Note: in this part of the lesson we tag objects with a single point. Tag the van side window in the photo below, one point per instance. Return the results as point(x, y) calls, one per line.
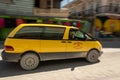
point(47, 33)
point(53, 33)
point(29, 33)
point(76, 35)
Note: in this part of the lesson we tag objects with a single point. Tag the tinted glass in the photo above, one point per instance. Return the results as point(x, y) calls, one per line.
point(29, 32)
point(88, 37)
point(76, 35)
point(47, 33)
point(53, 33)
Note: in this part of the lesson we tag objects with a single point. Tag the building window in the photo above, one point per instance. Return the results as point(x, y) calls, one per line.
point(48, 4)
point(97, 6)
point(114, 7)
point(37, 3)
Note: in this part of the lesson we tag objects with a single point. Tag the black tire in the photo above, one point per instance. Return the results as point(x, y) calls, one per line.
point(92, 56)
point(29, 61)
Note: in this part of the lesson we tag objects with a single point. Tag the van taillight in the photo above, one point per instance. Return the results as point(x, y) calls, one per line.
point(9, 48)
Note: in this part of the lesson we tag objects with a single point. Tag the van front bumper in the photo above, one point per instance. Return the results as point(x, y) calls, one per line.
point(10, 57)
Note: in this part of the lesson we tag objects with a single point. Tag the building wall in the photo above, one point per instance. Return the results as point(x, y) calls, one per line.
point(18, 7)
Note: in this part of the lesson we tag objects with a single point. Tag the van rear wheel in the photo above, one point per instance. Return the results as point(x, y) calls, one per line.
point(29, 61)
point(92, 56)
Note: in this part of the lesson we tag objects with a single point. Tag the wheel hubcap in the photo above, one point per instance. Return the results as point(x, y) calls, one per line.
point(93, 57)
point(30, 62)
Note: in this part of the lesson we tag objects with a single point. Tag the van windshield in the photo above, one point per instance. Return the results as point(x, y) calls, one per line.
point(79, 35)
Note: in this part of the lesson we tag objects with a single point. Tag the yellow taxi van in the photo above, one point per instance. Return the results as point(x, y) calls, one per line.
point(29, 44)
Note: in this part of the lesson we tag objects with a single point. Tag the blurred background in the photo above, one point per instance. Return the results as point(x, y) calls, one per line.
point(101, 18)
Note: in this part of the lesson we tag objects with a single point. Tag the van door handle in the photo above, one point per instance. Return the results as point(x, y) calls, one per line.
point(63, 41)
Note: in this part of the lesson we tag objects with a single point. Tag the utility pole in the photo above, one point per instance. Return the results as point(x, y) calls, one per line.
point(94, 18)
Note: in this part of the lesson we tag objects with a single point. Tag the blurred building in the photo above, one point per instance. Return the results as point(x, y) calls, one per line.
point(15, 12)
point(85, 8)
point(106, 12)
point(16, 7)
point(49, 8)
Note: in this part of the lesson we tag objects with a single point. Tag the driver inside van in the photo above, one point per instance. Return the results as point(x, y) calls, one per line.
point(76, 35)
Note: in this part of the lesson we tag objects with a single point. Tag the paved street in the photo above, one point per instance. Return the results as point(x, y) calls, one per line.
point(108, 68)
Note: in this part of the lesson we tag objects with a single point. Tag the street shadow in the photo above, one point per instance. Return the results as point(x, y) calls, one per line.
point(13, 69)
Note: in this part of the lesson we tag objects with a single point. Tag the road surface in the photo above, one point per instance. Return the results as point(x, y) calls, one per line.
point(108, 68)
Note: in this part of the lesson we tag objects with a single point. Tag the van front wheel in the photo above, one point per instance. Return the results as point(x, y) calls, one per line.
point(92, 56)
point(29, 61)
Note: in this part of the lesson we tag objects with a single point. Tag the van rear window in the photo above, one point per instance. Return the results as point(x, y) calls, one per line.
point(28, 32)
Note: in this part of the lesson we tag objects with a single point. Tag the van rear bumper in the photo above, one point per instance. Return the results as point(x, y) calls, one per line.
point(10, 57)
